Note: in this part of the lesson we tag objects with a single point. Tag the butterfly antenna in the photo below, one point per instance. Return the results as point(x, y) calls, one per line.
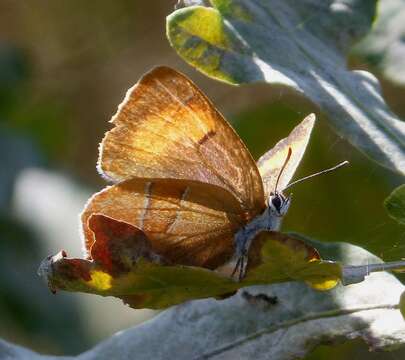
point(283, 167)
point(318, 173)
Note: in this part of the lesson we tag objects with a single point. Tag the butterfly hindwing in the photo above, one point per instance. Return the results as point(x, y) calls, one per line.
point(167, 128)
point(186, 222)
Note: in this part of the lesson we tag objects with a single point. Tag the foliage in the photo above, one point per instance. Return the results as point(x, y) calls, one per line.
point(395, 204)
point(384, 46)
point(143, 282)
point(301, 46)
point(280, 321)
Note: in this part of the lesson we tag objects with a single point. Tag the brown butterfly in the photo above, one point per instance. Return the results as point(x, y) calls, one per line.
point(184, 177)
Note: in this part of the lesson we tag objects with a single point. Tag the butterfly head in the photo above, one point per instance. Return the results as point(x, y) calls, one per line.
point(279, 203)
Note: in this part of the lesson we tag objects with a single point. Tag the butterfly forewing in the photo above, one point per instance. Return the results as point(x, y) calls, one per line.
point(271, 162)
point(187, 222)
point(166, 128)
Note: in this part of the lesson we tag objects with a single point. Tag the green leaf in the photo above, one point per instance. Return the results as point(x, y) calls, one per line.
point(301, 45)
point(123, 263)
point(384, 46)
point(147, 284)
point(278, 322)
point(395, 204)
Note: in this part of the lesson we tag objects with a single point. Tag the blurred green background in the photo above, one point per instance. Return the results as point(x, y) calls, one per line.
point(64, 68)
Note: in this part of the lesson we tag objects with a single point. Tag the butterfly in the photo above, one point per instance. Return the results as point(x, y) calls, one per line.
point(184, 177)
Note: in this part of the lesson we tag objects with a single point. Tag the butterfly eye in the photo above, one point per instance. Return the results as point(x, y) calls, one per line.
point(276, 201)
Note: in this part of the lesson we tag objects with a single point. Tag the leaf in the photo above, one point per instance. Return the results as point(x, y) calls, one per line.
point(395, 204)
point(278, 322)
point(384, 46)
point(18, 352)
point(402, 304)
point(281, 259)
point(300, 45)
point(124, 265)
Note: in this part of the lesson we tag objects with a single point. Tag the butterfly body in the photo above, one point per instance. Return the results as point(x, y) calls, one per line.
point(269, 220)
point(184, 177)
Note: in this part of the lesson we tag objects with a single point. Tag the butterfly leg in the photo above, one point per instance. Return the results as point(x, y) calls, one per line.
point(242, 244)
point(240, 267)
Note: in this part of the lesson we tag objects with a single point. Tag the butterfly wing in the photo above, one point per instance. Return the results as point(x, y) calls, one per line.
point(186, 222)
point(272, 161)
point(167, 128)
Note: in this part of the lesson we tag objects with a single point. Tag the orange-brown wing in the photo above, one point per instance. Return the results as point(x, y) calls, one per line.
point(186, 222)
point(166, 128)
point(272, 161)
